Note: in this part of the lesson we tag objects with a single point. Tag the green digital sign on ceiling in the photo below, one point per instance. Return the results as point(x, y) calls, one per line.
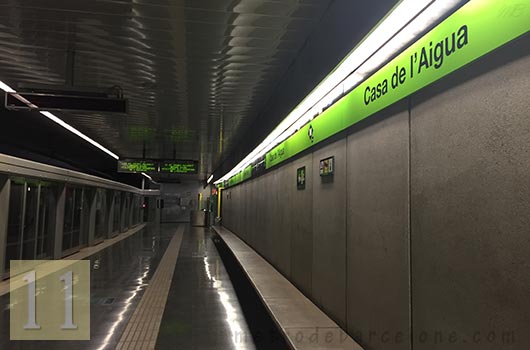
point(137, 166)
point(179, 167)
point(182, 167)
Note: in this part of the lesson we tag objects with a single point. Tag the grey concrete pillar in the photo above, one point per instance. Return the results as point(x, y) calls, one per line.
point(153, 211)
point(110, 213)
point(5, 189)
point(151, 208)
point(158, 212)
point(131, 210)
point(91, 200)
point(59, 222)
point(123, 211)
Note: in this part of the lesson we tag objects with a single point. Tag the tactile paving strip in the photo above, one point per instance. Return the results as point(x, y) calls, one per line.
point(142, 330)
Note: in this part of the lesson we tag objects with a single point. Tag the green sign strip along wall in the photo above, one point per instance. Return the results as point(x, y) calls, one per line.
point(241, 176)
point(236, 179)
point(247, 173)
point(474, 30)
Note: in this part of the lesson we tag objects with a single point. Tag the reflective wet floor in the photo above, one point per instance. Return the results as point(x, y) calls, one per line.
point(202, 310)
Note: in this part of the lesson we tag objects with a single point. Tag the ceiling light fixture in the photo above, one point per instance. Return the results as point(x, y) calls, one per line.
point(73, 130)
point(147, 176)
point(59, 121)
point(398, 29)
point(6, 87)
point(209, 179)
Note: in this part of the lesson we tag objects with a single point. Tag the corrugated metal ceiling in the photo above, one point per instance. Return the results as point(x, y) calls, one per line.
point(196, 72)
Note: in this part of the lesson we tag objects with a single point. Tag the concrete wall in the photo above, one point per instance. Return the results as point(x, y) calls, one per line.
point(420, 241)
point(470, 204)
point(329, 233)
point(180, 199)
point(378, 229)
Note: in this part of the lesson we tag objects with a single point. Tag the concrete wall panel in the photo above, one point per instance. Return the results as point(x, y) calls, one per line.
point(470, 208)
point(266, 237)
point(251, 207)
point(239, 205)
point(245, 212)
point(302, 226)
point(260, 214)
point(378, 230)
point(233, 208)
point(329, 233)
point(281, 219)
point(228, 209)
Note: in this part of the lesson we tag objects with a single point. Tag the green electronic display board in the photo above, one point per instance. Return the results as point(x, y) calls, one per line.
point(179, 167)
point(137, 166)
point(182, 167)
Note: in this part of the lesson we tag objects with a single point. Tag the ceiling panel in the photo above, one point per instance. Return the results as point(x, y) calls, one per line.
point(196, 72)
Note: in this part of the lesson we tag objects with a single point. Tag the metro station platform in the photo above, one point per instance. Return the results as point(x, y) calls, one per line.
point(163, 287)
point(175, 286)
point(264, 175)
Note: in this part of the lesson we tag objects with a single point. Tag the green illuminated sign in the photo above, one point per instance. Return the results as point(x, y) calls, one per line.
point(476, 29)
point(155, 166)
point(247, 173)
point(137, 166)
point(179, 167)
point(140, 133)
point(300, 178)
point(236, 179)
point(182, 135)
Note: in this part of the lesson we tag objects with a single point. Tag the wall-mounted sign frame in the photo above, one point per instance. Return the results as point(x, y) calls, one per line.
point(327, 166)
point(300, 178)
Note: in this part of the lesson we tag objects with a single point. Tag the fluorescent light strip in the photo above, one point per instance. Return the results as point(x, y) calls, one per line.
point(403, 13)
point(78, 133)
point(209, 179)
point(150, 178)
point(426, 19)
point(57, 120)
point(147, 176)
point(6, 87)
point(399, 28)
point(26, 102)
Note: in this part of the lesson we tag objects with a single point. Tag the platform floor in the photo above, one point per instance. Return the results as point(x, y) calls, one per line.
point(201, 310)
